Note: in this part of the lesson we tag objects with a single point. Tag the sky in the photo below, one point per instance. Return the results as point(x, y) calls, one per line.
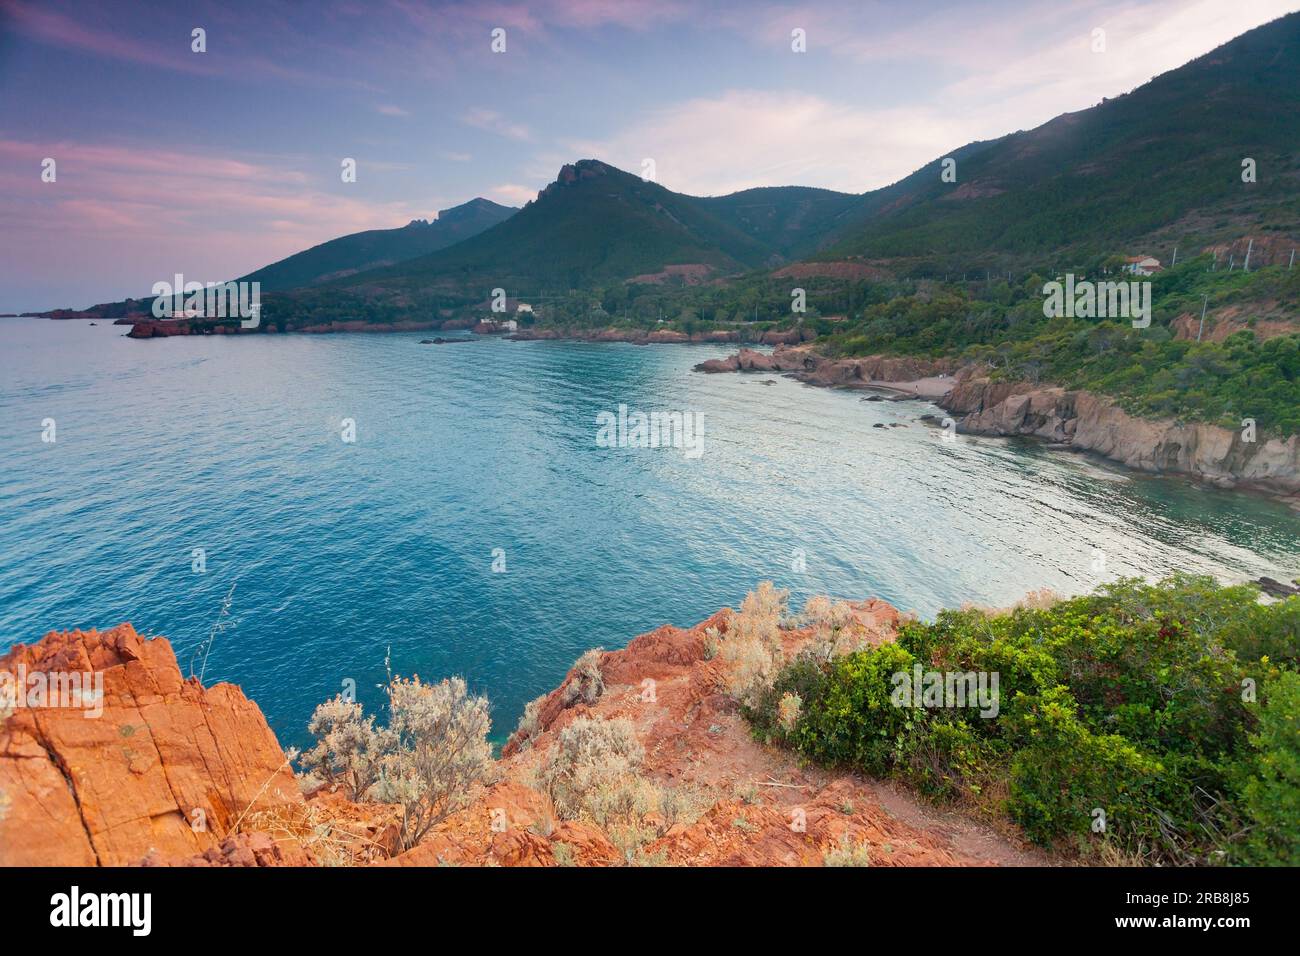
point(211, 164)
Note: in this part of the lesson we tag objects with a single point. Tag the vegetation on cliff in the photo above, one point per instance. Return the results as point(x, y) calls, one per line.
point(1155, 722)
point(1151, 371)
point(425, 760)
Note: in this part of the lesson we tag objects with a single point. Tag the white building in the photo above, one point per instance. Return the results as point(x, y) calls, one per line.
point(1142, 265)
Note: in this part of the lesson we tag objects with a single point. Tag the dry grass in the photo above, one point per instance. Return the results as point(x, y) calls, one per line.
point(752, 649)
point(848, 853)
point(309, 825)
point(593, 773)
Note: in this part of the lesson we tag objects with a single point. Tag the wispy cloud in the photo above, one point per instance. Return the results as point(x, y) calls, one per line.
point(493, 122)
point(512, 194)
point(388, 109)
point(747, 138)
point(70, 32)
point(116, 212)
point(1001, 76)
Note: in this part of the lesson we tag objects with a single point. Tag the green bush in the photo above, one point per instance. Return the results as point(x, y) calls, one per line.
point(853, 721)
point(1065, 776)
point(1131, 700)
point(1270, 786)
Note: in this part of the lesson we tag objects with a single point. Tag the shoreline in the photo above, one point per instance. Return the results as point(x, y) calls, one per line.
point(1064, 420)
point(146, 327)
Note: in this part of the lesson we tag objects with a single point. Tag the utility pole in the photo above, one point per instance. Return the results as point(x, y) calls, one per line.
point(1249, 245)
point(1202, 328)
point(1175, 261)
point(1288, 268)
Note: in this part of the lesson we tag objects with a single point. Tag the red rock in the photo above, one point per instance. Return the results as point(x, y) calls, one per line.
point(107, 790)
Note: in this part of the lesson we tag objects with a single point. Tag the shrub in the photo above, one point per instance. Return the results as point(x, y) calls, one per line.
point(432, 752)
point(594, 773)
point(848, 854)
point(1066, 773)
point(1271, 785)
point(563, 854)
point(803, 678)
point(593, 769)
point(1128, 700)
point(588, 682)
point(787, 711)
point(752, 649)
point(853, 720)
point(530, 724)
point(348, 750)
point(836, 628)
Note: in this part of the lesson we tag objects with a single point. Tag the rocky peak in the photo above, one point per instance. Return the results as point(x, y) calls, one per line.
point(573, 173)
point(468, 210)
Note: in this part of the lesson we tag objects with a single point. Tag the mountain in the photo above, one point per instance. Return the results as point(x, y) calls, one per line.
point(791, 221)
point(595, 223)
point(1159, 166)
point(380, 247)
point(344, 256)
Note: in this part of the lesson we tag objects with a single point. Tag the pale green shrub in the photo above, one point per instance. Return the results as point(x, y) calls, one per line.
point(752, 650)
point(426, 760)
point(563, 854)
point(787, 711)
point(848, 853)
point(588, 682)
point(590, 759)
point(530, 724)
point(349, 748)
point(440, 750)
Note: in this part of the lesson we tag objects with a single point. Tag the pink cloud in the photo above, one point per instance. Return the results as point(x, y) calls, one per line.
point(65, 31)
point(118, 218)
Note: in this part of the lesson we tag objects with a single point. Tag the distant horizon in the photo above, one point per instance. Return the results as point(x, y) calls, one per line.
point(434, 118)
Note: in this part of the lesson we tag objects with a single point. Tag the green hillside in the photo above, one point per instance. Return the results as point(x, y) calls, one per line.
point(348, 255)
point(595, 223)
point(1157, 167)
point(791, 221)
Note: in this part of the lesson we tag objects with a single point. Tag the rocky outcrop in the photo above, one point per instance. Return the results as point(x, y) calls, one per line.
point(634, 336)
point(573, 173)
point(166, 328)
point(242, 849)
point(1081, 420)
point(166, 770)
point(1090, 422)
point(810, 366)
point(122, 788)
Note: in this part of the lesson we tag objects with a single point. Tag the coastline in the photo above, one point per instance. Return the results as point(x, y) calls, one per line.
point(1064, 419)
point(145, 328)
point(1068, 420)
point(211, 750)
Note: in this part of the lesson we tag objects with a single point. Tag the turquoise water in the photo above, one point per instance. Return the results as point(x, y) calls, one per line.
point(341, 554)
